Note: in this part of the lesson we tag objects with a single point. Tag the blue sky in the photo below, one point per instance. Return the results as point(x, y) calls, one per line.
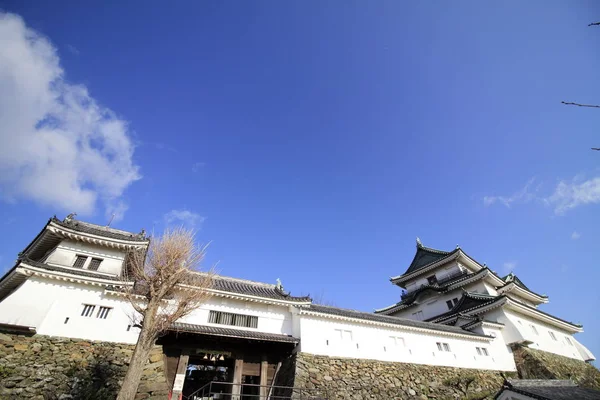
point(313, 141)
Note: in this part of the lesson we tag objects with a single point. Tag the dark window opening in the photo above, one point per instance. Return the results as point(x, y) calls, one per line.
point(66, 320)
point(224, 318)
point(449, 304)
point(432, 280)
point(88, 310)
point(94, 264)
point(79, 261)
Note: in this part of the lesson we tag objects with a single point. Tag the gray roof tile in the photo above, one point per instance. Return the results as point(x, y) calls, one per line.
point(232, 332)
point(98, 230)
point(551, 389)
point(387, 319)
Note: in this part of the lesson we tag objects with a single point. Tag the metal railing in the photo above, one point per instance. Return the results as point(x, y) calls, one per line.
point(215, 390)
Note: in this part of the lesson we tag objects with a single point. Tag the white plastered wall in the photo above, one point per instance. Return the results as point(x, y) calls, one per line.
point(321, 335)
point(46, 304)
point(66, 252)
point(518, 327)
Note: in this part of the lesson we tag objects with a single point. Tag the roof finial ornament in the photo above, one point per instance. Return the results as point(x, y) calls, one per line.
point(419, 244)
point(458, 246)
point(142, 234)
point(70, 218)
point(278, 285)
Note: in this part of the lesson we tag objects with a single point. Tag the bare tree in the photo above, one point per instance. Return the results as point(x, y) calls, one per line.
point(162, 286)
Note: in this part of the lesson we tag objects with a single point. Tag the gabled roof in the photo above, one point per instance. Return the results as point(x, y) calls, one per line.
point(99, 230)
point(467, 303)
point(426, 256)
point(342, 312)
point(512, 278)
point(440, 287)
point(549, 389)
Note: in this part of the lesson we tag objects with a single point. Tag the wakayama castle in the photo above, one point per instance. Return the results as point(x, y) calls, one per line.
point(451, 311)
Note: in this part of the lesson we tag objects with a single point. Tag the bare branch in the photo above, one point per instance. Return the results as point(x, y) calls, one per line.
point(579, 105)
point(166, 287)
point(594, 23)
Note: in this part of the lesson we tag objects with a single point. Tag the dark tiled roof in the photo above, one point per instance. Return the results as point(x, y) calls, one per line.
point(550, 389)
point(232, 332)
point(469, 301)
point(510, 278)
point(440, 287)
point(81, 272)
point(252, 288)
point(426, 256)
point(221, 283)
point(93, 229)
point(386, 319)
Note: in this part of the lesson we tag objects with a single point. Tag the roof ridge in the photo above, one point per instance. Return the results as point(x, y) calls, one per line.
point(239, 280)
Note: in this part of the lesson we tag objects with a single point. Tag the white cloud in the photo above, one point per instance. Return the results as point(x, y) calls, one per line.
point(197, 166)
point(522, 196)
point(566, 195)
point(60, 148)
point(577, 192)
point(509, 266)
point(575, 235)
point(183, 217)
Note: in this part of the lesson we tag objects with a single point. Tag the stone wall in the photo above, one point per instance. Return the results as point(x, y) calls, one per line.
point(346, 378)
point(48, 368)
point(536, 364)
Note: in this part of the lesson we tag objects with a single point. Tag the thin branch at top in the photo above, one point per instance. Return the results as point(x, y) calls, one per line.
point(580, 105)
point(594, 23)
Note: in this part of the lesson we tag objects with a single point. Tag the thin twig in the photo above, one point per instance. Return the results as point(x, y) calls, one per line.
point(594, 23)
point(580, 105)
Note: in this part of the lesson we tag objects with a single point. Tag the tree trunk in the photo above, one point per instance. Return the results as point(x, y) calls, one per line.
point(139, 357)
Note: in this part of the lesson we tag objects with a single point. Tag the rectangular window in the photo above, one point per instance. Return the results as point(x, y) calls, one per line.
point(418, 315)
point(534, 330)
point(449, 304)
point(79, 261)
point(568, 341)
point(396, 341)
point(432, 280)
point(224, 318)
point(103, 312)
point(443, 346)
point(478, 350)
point(484, 351)
point(94, 264)
point(552, 335)
point(455, 301)
point(88, 310)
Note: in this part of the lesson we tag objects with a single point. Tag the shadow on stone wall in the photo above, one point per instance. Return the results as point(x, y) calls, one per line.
point(54, 368)
point(537, 364)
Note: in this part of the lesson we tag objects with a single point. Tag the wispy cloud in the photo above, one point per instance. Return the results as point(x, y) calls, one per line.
point(198, 166)
point(566, 196)
point(73, 49)
point(509, 267)
point(524, 195)
point(59, 146)
point(575, 235)
point(575, 193)
point(184, 217)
